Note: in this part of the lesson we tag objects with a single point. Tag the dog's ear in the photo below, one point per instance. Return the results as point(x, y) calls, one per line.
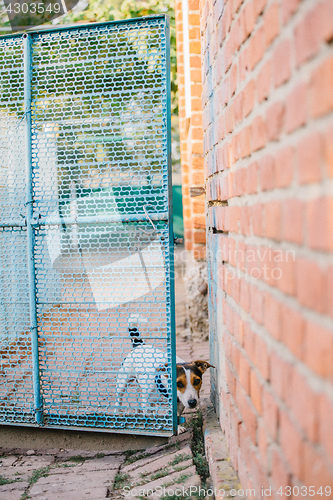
point(203, 365)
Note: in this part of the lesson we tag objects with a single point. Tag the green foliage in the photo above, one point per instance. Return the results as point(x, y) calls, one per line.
point(180, 458)
point(38, 473)
point(115, 10)
point(198, 447)
point(120, 480)
point(5, 480)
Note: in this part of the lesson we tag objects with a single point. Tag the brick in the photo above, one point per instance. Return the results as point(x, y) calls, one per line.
point(244, 374)
point(318, 350)
point(195, 47)
point(272, 316)
point(309, 157)
point(259, 6)
point(256, 392)
point(289, 7)
point(325, 427)
point(284, 271)
point(280, 472)
point(270, 414)
point(321, 89)
point(311, 285)
point(238, 329)
point(292, 221)
point(273, 220)
point(257, 219)
point(258, 133)
point(245, 142)
point(315, 472)
point(330, 291)
point(257, 301)
point(282, 63)
point(267, 173)
point(271, 23)
point(241, 250)
point(262, 358)
point(256, 47)
point(307, 36)
point(328, 149)
point(319, 221)
point(325, 24)
point(248, 98)
point(304, 405)
point(251, 178)
point(262, 442)
point(248, 414)
point(245, 295)
point(280, 376)
point(296, 108)
point(245, 221)
point(251, 262)
point(284, 161)
point(274, 121)
point(264, 81)
point(265, 263)
point(249, 18)
point(291, 443)
point(236, 5)
point(199, 237)
point(248, 342)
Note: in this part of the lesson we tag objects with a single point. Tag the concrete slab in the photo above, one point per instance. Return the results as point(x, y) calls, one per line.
point(28, 438)
point(13, 491)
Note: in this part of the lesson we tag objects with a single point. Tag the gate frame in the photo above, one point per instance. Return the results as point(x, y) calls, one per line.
point(31, 225)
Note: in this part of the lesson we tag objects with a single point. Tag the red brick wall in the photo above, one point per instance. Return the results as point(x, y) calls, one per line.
point(268, 146)
point(191, 133)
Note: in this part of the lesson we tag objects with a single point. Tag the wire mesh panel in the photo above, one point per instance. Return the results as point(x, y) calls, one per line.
point(16, 385)
point(102, 237)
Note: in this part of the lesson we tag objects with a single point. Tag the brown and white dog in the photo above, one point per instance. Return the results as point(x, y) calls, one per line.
point(147, 365)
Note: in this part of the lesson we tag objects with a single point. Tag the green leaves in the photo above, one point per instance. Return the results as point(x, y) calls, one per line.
point(114, 10)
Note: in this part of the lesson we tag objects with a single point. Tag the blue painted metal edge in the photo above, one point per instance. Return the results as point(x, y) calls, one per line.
point(171, 236)
point(68, 27)
point(30, 231)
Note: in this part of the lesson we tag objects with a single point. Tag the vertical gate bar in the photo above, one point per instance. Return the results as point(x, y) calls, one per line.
point(30, 231)
point(171, 236)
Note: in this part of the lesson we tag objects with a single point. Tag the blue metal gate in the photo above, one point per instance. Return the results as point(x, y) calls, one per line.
point(87, 333)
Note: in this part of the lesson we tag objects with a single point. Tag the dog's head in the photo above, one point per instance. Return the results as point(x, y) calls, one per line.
point(189, 381)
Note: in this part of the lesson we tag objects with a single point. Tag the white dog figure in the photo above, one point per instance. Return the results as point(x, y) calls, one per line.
point(147, 365)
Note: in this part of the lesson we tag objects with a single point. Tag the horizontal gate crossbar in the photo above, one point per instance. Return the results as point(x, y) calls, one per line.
point(103, 24)
point(57, 221)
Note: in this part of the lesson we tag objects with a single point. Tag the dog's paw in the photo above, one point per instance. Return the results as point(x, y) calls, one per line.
point(181, 429)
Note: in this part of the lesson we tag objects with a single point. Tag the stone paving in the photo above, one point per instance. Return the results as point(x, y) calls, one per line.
point(78, 474)
point(59, 474)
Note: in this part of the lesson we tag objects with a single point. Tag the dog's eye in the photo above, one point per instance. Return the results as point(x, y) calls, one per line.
point(180, 385)
point(197, 381)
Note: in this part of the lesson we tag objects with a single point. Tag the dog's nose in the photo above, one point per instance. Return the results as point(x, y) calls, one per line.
point(192, 403)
